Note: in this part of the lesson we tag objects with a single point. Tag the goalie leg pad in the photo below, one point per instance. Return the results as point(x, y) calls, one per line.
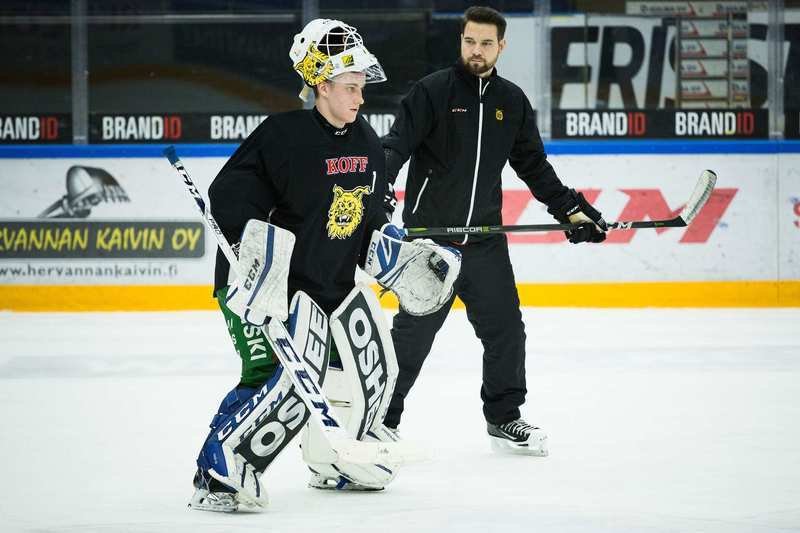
point(244, 441)
point(360, 392)
point(308, 326)
point(365, 346)
point(265, 253)
point(327, 471)
point(253, 426)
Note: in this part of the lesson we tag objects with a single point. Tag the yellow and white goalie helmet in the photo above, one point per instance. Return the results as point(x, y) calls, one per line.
point(326, 48)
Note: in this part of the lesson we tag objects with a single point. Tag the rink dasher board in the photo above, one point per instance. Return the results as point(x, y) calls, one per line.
point(747, 239)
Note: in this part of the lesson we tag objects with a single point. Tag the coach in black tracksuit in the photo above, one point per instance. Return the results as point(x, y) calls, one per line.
point(459, 126)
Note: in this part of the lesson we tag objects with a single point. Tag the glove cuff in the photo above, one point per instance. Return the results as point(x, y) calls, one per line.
point(393, 231)
point(568, 204)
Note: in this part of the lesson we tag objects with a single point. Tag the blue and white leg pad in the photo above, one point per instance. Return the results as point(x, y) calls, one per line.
point(249, 435)
point(253, 426)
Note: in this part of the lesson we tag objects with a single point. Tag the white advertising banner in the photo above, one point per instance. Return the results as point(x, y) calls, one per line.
point(788, 206)
point(130, 222)
point(737, 236)
point(105, 221)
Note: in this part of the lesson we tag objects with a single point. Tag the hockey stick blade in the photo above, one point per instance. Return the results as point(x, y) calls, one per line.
point(346, 447)
point(702, 192)
point(700, 195)
point(399, 452)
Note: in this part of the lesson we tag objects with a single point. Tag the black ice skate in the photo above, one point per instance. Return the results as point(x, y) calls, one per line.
point(518, 437)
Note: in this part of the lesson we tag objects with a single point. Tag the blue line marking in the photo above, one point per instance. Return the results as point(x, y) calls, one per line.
point(553, 147)
point(63, 151)
point(671, 146)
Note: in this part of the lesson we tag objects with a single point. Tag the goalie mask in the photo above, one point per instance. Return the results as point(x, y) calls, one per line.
point(326, 48)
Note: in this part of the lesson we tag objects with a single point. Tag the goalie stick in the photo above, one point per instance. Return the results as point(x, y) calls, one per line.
point(347, 448)
point(701, 194)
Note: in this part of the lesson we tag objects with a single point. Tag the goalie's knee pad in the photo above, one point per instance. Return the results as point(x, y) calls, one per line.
point(323, 461)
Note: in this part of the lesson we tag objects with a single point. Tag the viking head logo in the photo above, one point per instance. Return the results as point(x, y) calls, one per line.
point(346, 212)
point(86, 188)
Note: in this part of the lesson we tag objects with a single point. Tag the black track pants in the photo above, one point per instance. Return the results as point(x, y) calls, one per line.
point(486, 286)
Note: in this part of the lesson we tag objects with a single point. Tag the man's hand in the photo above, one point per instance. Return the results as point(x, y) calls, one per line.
point(576, 210)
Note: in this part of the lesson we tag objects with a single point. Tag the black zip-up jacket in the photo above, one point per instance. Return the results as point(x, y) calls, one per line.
point(459, 131)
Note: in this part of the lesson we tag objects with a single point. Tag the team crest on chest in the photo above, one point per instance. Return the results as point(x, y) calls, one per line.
point(346, 212)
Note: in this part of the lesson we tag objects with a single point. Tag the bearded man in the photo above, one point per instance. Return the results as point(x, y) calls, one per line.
point(459, 126)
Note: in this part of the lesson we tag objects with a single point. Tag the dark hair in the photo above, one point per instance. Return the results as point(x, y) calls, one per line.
point(485, 15)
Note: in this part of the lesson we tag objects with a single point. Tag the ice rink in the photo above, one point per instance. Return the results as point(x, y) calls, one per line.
point(659, 420)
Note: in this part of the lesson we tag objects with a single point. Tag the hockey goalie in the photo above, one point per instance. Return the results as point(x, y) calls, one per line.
point(303, 199)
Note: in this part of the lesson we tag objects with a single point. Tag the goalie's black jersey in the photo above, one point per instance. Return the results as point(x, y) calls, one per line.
point(324, 185)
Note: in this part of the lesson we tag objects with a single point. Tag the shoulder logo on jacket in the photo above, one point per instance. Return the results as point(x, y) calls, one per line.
point(498, 114)
point(347, 164)
point(347, 211)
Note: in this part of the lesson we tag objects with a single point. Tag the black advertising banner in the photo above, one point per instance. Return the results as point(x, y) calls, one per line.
point(46, 128)
point(793, 124)
point(192, 127)
point(566, 124)
point(572, 124)
point(76, 239)
point(149, 128)
point(661, 124)
point(172, 127)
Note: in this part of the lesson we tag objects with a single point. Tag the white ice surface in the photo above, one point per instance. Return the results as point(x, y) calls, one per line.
point(659, 420)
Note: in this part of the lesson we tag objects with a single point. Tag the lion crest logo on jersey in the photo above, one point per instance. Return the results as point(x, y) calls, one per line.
point(346, 212)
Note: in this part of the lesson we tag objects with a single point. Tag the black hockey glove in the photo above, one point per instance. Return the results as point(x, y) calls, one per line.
point(576, 210)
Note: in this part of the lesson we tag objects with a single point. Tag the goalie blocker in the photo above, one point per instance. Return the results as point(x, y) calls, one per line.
point(265, 253)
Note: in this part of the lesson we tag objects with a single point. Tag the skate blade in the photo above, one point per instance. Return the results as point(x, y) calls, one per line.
point(212, 508)
point(536, 447)
point(200, 503)
point(348, 487)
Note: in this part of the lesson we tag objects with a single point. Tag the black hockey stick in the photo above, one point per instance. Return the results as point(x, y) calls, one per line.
point(701, 194)
point(346, 447)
